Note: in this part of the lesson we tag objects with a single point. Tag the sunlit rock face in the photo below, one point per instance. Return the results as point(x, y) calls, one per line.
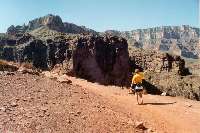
point(180, 40)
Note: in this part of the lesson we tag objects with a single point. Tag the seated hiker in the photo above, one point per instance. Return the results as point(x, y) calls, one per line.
point(136, 85)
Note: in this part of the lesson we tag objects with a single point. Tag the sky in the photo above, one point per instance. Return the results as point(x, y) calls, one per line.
point(102, 15)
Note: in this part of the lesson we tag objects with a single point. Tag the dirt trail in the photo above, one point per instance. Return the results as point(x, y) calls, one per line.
point(34, 104)
point(163, 114)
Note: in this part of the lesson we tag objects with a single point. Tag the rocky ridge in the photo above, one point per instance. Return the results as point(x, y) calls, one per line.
point(51, 22)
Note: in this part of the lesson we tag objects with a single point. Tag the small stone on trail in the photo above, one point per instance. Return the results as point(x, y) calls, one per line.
point(164, 94)
point(79, 112)
point(44, 109)
point(150, 130)
point(17, 99)
point(63, 79)
point(188, 105)
point(3, 109)
point(14, 104)
point(84, 117)
point(140, 125)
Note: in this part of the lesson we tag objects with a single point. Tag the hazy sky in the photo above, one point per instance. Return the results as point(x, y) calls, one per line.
point(102, 15)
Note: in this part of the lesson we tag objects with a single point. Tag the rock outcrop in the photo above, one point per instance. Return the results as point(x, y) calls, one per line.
point(179, 40)
point(51, 21)
point(102, 59)
point(166, 73)
point(33, 52)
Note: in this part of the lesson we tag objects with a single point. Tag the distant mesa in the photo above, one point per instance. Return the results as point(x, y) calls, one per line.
point(179, 40)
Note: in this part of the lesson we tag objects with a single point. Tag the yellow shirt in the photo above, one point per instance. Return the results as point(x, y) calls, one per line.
point(137, 78)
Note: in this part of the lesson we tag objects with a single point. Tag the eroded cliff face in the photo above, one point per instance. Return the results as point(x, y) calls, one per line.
point(34, 52)
point(179, 40)
point(103, 59)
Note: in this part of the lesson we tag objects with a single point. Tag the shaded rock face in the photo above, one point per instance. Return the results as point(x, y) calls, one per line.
point(35, 52)
point(179, 40)
point(56, 51)
point(102, 59)
point(8, 42)
point(7, 49)
point(8, 54)
point(25, 38)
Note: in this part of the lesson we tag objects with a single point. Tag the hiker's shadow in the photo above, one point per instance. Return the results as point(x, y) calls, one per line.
point(159, 103)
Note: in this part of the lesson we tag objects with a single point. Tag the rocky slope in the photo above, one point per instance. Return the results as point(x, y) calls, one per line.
point(179, 40)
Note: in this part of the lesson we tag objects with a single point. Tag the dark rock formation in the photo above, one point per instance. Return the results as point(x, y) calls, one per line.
point(8, 54)
point(51, 48)
point(57, 50)
point(102, 59)
point(34, 52)
point(25, 38)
